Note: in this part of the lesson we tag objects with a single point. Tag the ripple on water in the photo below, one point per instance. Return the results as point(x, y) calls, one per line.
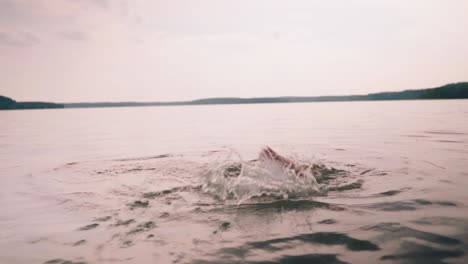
point(276, 207)
point(413, 252)
point(406, 205)
point(235, 254)
point(444, 132)
point(396, 231)
point(391, 192)
point(150, 210)
point(461, 223)
point(286, 259)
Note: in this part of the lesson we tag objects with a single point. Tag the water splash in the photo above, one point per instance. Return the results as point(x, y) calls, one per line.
point(232, 178)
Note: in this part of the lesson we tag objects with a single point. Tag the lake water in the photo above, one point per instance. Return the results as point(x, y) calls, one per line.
point(147, 184)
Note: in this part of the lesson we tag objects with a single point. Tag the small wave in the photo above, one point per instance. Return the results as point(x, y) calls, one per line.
point(461, 223)
point(413, 252)
point(415, 136)
point(396, 231)
point(390, 192)
point(286, 243)
point(417, 246)
point(286, 259)
point(407, 205)
point(147, 158)
point(449, 141)
point(257, 207)
point(444, 132)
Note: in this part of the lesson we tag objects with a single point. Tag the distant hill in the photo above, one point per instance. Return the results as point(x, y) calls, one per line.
point(9, 104)
point(449, 91)
point(6, 103)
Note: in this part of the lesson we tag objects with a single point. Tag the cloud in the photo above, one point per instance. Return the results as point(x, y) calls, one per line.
point(13, 12)
point(101, 3)
point(38, 13)
point(74, 35)
point(124, 9)
point(18, 39)
point(104, 4)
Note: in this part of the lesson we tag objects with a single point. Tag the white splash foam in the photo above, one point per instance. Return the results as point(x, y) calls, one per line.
point(255, 179)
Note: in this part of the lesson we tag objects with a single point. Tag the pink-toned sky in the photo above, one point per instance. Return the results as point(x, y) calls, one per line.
point(154, 50)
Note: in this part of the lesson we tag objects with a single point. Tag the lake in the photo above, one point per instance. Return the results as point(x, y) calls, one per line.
point(149, 184)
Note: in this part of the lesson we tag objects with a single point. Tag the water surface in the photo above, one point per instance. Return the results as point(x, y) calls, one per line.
point(125, 185)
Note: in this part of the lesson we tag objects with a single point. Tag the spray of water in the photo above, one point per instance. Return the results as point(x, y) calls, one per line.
point(231, 178)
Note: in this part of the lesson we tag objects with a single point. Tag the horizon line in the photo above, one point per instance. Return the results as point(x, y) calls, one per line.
point(249, 98)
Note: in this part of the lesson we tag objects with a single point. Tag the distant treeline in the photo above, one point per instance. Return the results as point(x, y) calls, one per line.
point(8, 104)
point(449, 91)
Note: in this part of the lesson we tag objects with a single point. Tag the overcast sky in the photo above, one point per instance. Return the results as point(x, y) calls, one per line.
point(155, 50)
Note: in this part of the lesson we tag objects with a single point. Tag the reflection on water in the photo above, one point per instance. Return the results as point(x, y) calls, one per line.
point(181, 185)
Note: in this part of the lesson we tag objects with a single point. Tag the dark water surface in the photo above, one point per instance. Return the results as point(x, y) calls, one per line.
point(148, 185)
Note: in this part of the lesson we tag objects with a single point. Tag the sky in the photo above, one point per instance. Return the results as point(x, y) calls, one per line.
point(155, 50)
